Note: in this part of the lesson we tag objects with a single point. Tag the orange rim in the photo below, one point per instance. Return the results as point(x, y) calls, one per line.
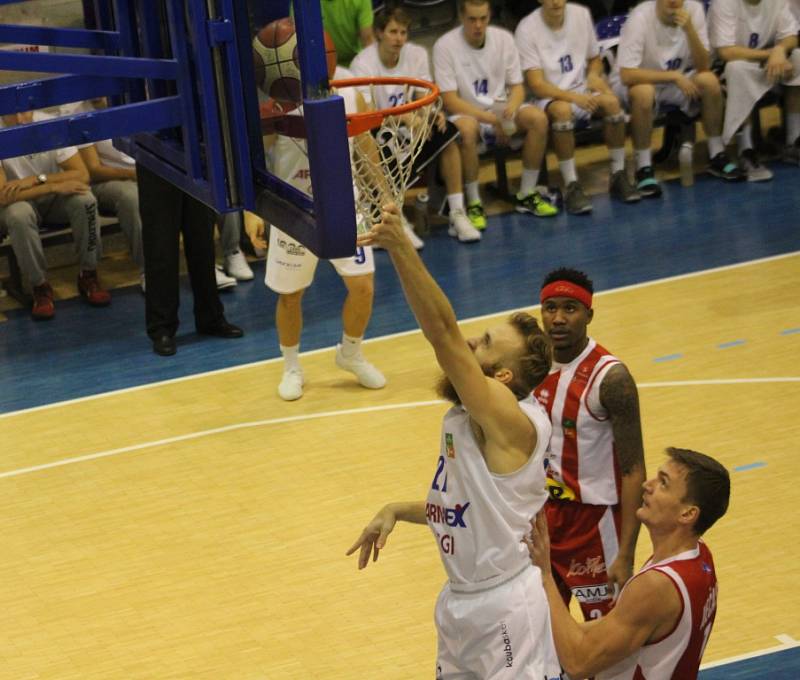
point(274, 118)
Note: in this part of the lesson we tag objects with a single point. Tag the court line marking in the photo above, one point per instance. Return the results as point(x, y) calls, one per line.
point(330, 414)
point(787, 642)
point(390, 336)
point(749, 466)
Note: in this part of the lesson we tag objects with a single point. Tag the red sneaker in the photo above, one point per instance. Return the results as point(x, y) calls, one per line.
point(43, 307)
point(91, 291)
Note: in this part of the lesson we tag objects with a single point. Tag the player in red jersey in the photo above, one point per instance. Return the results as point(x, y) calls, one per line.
point(663, 617)
point(595, 461)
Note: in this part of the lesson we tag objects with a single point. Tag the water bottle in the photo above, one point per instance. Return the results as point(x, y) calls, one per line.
point(685, 164)
point(421, 225)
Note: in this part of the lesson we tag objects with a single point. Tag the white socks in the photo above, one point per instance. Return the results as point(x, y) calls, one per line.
point(617, 157)
point(455, 202)
point(527, 185)
point(472, 192)
point(745, 137)
point(350, 346)
point(643, 158)
point(567, 168)
point(715, 146)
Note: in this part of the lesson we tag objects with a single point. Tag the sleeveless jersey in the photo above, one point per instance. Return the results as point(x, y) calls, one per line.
point(478, 517)
point(486, 72)
point(413, 63)
point(677, 656)
point(561, 55)
point(645, 42)
point(736, 22)
point(581, 464)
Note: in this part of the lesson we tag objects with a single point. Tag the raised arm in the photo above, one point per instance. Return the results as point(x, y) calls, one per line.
point(620, 398)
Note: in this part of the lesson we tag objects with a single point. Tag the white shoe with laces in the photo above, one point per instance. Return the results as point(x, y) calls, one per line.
point(237, 267)
point(368, 376)
point(291, 385)
point(223, 280)
point(461, 227)
point(416, 241)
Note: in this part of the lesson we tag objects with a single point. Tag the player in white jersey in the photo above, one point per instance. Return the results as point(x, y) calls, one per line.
point(663, 60)
point(491, 616)
point(291, 267)
point(560, 57)
point(660, 626)
point(757, 39)
point(477, 69)
point(393, 56)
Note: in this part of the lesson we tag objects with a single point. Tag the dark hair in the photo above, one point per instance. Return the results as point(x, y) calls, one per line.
point(708, 485)
point(571, 275)
point(462, 4)
point(386, 14)
point(534, 363)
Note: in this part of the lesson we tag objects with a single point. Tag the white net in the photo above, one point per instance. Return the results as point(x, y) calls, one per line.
point(383, 159)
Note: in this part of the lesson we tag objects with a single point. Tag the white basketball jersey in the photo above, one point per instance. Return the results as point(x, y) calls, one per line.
point(413, 63)
point(487, 72)
point(647, 43)
point(562, 55)
point(736, 22)
point(477, 517)
point(794, 6)
point(288, 158)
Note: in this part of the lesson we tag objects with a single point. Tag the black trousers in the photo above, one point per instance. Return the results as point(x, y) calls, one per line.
point(168, 211)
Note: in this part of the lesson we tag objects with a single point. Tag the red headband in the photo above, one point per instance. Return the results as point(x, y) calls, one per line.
point(567, 289)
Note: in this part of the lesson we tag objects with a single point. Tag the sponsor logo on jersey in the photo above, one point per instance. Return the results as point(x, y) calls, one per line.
point(449, 446)
point(593, 566)
point(506, 645)
point(292, 247)
point(303, 174)
point(569, 428)
point(592, 594)
point(558, 490)
point(452, 517)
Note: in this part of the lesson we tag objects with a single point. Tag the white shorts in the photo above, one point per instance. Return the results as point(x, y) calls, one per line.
point(488, 136)
point(666, 95)
point(503, 632)
point(578, 114)
point(291, 266)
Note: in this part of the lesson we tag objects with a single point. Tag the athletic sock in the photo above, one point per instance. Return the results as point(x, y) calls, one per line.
point(350, 346)
point(567, 168)
point(643, 158)
point(792, 127)
point(473, 193)
point(715, 146)
point(291, 358)
point(527, 185)
point(455, 202)
point(617, 157)
point(745, 138)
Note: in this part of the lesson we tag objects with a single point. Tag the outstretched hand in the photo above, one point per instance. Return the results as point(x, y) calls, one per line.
point(388, 233)
point(373, 538)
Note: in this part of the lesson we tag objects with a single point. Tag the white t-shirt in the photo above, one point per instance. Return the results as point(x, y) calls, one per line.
point(487, 72)
point(413, 63)
point(794, 6)
point(645, 42)
point(44, 162)
point(563, 54)
point(109, 155)
point(736, 22)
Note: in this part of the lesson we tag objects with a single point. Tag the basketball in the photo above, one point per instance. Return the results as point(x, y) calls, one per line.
point(276, 60)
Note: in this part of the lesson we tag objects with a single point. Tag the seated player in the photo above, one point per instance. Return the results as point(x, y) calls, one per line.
point(50, 187)
point(391, 56)
point(757, 39)
point(291, 267)
point(663, 61)
point(561, 60)
point(477, 69)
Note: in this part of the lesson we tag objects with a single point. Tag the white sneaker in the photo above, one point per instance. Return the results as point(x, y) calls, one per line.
point(752, 167)
point(416, 241)
point(223, 280)
point(291, 386)
point(462, 228)
point(368, 376)
point(237, 267)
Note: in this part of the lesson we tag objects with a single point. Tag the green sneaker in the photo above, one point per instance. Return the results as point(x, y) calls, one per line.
point(476, 215)
point(536, 205)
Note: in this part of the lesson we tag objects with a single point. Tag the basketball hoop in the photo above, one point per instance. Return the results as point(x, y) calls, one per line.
point(386, 142)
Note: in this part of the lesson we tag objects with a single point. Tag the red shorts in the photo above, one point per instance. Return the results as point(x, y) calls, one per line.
point(584, 539)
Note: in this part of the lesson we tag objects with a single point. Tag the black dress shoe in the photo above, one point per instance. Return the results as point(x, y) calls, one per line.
point(221, 329)
point(164, 345)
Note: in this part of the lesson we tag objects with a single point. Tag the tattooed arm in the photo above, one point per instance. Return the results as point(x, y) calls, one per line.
point(620, 398)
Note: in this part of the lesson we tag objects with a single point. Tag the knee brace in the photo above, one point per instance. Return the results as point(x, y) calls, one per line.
point(562, 126)
point(616, 118)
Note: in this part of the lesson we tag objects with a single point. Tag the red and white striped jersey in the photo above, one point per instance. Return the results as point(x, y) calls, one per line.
point(677, 655)
point(581, 463)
